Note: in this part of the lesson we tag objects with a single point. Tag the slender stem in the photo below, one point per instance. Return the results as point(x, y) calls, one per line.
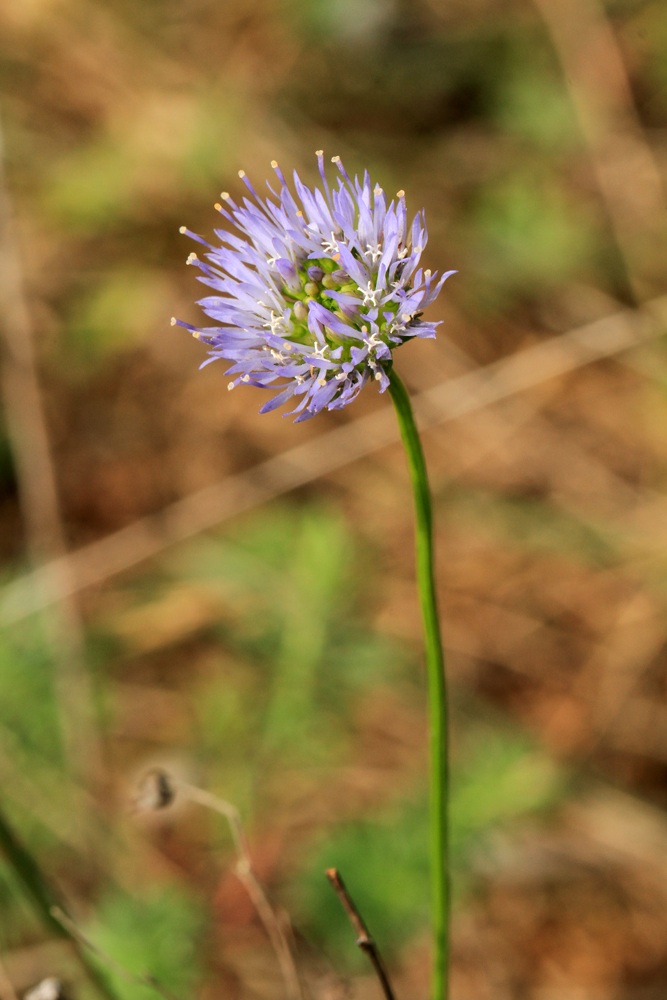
point(437, 692)
point(246, 875)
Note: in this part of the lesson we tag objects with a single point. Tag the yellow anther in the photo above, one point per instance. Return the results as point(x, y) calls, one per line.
point(196, 334)
point(183, 229)
point(319, 152)
point(224, 195)
point(217, 206)
point(274, 164)
point(286, 346)
point(321, 381)
point(335, 159)
point(241, 173)
point(173, 321)
point(191, 257)
point(400, 194)
point(230, 386)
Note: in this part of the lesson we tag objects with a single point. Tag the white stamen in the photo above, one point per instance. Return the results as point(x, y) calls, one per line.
point(330, 246)
point(276, 322)
point(371, 295)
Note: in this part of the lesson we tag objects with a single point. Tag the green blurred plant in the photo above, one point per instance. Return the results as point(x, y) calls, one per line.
point(500, 778)
point(156, 933)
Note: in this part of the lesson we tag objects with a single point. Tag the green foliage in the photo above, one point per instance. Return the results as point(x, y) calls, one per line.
point(27, 706)
point(158, 933)
point(166, 147)
point(532, 230)
point(119, 313)
point(533, 525)
point(90, 188)
point(18, 921)
point(384, 860)
point(288, 580)
point(532, 104)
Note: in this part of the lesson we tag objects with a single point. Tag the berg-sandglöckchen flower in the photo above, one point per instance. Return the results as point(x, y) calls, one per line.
point(317, 296)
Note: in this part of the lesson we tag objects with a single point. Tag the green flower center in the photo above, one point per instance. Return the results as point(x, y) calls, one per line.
point(319, 291)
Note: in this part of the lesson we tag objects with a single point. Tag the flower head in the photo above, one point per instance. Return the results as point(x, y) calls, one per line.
point(318, 293)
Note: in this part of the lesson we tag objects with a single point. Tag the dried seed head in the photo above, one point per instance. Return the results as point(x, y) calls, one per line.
point(157, 790)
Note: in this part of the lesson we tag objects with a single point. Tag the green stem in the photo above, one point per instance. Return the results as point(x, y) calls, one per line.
point(46, 901)
point(437, 692)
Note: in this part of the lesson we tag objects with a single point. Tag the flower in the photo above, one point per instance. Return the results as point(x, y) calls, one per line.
point(314, 298)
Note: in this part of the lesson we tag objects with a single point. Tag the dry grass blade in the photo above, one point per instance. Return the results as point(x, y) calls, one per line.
point(209, 507)
point(627, 174)
point(39, 500)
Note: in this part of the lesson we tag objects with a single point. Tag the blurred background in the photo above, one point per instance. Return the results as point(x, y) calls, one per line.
point(254, 627)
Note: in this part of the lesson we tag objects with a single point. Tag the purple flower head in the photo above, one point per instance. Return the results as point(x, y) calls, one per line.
point(318, 292)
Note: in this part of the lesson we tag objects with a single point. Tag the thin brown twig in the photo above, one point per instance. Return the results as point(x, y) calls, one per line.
point(246, 875)
point(364, 939)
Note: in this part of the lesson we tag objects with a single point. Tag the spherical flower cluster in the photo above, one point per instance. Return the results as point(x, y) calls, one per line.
point(317, 296)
